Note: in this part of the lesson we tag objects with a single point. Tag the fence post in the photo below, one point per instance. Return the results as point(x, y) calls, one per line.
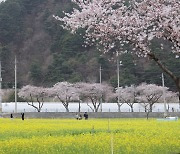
point(112, 150)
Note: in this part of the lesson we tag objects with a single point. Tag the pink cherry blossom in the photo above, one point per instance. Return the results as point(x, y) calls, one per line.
point(112, 24)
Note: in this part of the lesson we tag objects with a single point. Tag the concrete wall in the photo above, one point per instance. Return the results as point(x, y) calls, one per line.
point(91, 115)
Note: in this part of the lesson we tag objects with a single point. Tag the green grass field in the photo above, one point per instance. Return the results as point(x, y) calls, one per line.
point(94, 136)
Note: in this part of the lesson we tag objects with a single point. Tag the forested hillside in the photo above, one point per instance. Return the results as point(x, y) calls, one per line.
point(47, 54)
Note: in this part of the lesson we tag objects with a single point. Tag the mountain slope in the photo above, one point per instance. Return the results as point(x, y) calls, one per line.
point(48, 54)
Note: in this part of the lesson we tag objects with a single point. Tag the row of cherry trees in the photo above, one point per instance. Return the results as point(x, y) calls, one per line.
point(144, 94)
point(113, 24)
point(95, 93)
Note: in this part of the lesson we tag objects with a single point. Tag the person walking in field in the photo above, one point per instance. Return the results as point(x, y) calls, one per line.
point(11, 116)
point(22, 116)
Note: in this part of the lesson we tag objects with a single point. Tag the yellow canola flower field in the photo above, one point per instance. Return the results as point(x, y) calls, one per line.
point(93, 136)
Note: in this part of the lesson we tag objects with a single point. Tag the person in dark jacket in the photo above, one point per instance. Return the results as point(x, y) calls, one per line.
point(11, 116)
point(86, 116)
point(22, 116)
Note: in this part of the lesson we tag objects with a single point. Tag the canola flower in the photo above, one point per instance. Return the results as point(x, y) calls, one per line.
point(94, 136)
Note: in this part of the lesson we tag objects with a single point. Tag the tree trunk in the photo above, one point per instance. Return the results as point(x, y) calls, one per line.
point(131, 106)
point(66, 107)
point(179, 100)
point(37, 108)
point(90, 107)
point(65, 104)
point(150, 107)
point(147, 115)
point(167, 71)
point(119, 108)
point(96, 105)
point(96, 109)
point(132, 110)
point(79, 109)
point(145, 108)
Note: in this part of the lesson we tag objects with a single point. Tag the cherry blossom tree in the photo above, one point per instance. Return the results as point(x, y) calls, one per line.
point(114, 96)
point(113, 24)
point(170, 97)
point(149, 94)
point(65, 92)
point(95, 93)
point(33, 95)
point(127, 95)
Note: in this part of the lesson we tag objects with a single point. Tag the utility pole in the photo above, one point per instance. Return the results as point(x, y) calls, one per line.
point(119, 63)
point(164, 100)
point(118, 77)
point(15, 85)
point(100, 81)
point(100, 75)
point(0, 89)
